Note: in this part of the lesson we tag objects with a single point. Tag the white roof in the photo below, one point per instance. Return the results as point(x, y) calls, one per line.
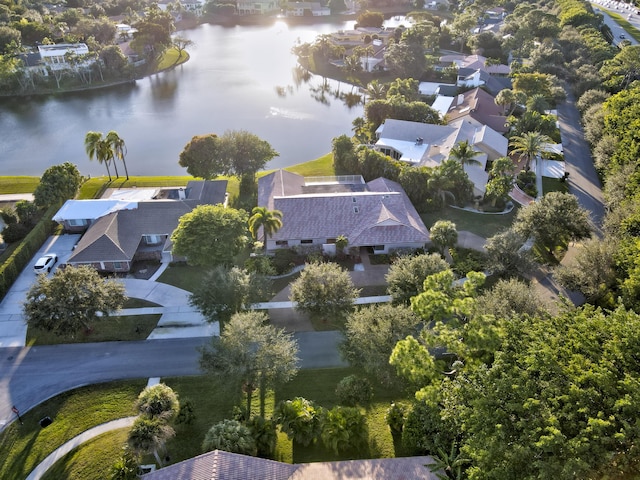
point(133, 194)
point(430, 88)
point(412, 152)
point(442, 104)
point(91, 209)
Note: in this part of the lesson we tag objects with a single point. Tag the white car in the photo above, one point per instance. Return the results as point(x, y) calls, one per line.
point(45, 263)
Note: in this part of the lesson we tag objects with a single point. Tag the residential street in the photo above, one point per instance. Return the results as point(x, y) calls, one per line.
point(583, 179)
point(30, 375)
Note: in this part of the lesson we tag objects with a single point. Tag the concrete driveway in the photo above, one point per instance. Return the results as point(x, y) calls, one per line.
point(13, 330)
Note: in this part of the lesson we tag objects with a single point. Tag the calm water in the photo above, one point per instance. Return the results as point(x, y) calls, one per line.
point(237, 78)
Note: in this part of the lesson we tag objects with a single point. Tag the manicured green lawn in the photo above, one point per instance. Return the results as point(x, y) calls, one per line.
point(183, 276)
point(484, 225)
point(172, 57)
point(92, 460)
point(213, 402)
point(23, 447)
point(113, 329)
point(554, 185)
point(18, 184)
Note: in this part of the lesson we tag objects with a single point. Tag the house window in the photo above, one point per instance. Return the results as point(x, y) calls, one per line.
point(282, 243)
point(152, 239)
point(117, 265)
point(378, 248)
point(78, 222)
point(331, 240)
point(306, 241)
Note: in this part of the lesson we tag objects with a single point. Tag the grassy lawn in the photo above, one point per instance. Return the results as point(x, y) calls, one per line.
point(213, 402)
point(92, 460)
point(183, 276)
point(113, 329)
point(23, 447)
point(172, 57)
point(554, 185)
point(139, 303)
point(484, 225)
point(314, 168)
point(18, 184)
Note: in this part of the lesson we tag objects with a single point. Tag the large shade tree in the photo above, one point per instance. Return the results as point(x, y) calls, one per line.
point(251, 354)
point(57, 184)
point(72, 299)
point(210, 235)
point(406, 275)
point(202, 157)
point(554, 221)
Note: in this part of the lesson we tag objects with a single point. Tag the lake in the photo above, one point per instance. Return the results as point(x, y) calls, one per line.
point(238, 78)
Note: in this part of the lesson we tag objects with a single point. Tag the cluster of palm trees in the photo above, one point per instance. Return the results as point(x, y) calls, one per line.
point(106, 150)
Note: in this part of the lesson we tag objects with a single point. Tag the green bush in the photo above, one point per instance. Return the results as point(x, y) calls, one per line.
point(395, 416)
point(260, 264)
point(527, 182)
point(466, 260)
point(284, 260)
point(14, 232)
point(354, 390)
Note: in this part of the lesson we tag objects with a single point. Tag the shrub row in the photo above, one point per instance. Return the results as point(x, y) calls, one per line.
point(20, 257)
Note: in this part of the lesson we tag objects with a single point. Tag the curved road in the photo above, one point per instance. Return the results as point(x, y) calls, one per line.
point(30, 375)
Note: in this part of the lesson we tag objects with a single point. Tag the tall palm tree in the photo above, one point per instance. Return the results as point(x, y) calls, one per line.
point(118, 148)
point(98, 148)
point(376, 90)
point(464, 153)
point(269, 220)
point(530, 144)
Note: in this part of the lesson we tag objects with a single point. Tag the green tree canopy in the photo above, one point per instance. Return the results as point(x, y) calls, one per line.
point(443, 235)
point(71, 299)
point(324, 289)
point(158, 402)
point(202, 157)
point(148, 435)
point(371, 334)
point(230, 436)
point(251, 353)
point(406, 275)
point(246, 152)
point(57, 184)
point(210, 235)
point(269, 220)
point(554, 220)
point(225, 291)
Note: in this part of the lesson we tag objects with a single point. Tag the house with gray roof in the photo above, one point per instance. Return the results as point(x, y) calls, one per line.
point(316, 210)
point(220, 465)
point(478, 107)
point(121, 231)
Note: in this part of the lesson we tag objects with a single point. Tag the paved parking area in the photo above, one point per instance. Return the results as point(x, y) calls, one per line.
point(13, 330)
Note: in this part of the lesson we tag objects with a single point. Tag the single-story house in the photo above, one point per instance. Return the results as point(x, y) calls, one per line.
point(119, 232)
point(54, 56)
point(221, 465)
point(315, 211)
point(257, 7)
point(423, 144)
point(470, 77)
point(480, 108)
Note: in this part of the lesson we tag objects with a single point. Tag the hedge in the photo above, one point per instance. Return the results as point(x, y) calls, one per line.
point(29, 245)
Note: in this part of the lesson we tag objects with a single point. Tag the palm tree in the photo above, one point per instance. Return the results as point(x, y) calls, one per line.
point(376, 90)
point(148, 435)
point(464, 153)
point(530, 144)
point(269, 220)
point(96, 147)
point(118, 148)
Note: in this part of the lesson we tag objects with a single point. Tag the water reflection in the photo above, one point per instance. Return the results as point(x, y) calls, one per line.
point(237, 78)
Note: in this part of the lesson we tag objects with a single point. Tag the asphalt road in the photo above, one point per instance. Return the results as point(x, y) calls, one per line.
point(583, 179)
point(30, 375)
